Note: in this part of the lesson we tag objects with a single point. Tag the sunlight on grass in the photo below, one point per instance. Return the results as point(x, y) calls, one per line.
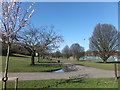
point(68, 83)
point(94, 64)
point(21, 63)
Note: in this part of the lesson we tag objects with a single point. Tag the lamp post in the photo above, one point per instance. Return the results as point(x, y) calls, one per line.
point(84, 53)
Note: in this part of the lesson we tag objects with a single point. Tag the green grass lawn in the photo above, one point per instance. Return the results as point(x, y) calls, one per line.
point(94, 64)
point(21, 63)
point(68, 83)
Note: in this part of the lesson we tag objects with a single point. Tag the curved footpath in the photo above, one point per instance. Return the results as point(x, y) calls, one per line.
point(81, 72)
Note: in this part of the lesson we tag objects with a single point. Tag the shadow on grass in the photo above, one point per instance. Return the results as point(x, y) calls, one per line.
point(86, 61)
point(67, 82)
point(79, 64)
point(47, 62)
point(46, 65)
point(19, 56)
point(109, 62)
point(72, 81)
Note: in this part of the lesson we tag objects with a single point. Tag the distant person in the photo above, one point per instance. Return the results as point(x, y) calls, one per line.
point(36, 54)
point(116, 59)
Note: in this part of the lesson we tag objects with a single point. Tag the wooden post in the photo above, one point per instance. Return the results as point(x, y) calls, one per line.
point(16, 83)
point(115, 69)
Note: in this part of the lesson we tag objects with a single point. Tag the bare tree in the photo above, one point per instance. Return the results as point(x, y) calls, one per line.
point(77, 50)
point(30, 39)
point(13, 18)
point(39, 40)
point(66, 51)
point(104, 40)
point(49, 41)
point(58, 54)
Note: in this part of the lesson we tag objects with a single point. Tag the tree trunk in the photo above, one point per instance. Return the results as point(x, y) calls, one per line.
point(38, 57)
point(5, 78)
point(67, 57)
point(32, 59)
point(77, 59)
point(104, 60)
point(43, 57)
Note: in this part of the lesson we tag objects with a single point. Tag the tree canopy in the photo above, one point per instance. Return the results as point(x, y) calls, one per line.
point(77, 50)
point(104, 40)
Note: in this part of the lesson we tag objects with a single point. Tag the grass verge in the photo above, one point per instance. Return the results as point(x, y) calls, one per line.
point(68, 83)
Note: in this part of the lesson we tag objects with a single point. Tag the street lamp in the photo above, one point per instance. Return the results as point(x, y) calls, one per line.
point(84, 53)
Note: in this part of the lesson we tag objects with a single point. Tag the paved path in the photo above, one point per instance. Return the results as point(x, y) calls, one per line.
point(82, 71)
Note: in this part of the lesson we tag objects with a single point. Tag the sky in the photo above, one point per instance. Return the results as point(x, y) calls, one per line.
point(75, 21)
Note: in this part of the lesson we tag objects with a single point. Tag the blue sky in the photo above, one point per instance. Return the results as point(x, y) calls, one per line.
point(75, 21)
